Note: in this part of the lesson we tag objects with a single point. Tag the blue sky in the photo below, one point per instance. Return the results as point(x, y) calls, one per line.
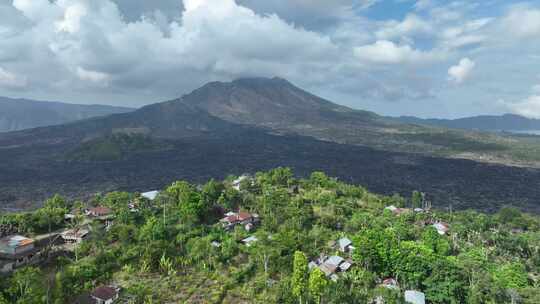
point(427, 58)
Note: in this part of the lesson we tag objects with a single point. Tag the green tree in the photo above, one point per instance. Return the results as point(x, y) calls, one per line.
point(300, 275)
point(189, 201)
point(414, 263)
point(446, 283)
point(28, 286)
point(416, 199)
point(317, 284)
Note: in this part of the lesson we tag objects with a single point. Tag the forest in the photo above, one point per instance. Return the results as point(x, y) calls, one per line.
point(271, 238)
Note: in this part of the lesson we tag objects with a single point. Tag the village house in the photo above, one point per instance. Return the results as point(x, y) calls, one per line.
point(246, 219)
point(99, 212)
point(249, 241)
point(331, 266)
point(17, 251)
point(75, 236)
point(415, 297)
point(397, 211)
point(150, 195)
point(345, 245)
point(100, 295)
point(442, 228)
point(105, 294)
point(237, 182)
point(390, 283)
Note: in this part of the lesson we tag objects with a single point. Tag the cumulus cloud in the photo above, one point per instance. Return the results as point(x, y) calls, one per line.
point(214, 39)
point(530, 107)
point(141, 51)
point(460, 72)
point(10, 80)
point(387, 52)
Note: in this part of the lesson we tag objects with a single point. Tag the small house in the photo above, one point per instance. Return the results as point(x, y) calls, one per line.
point(17, 251)
point(345, 245)
point(237, 182)
point(442, 228)
point(246, 219)
point(150, 195)
point(390, 283)
point(75, 236)
point(105, 294)
point(330, 266)
point(397, 211)
point(99, 212)
point(249, 240)
point(415, 297)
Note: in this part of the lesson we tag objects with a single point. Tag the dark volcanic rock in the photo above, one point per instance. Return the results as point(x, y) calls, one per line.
point(462, 183)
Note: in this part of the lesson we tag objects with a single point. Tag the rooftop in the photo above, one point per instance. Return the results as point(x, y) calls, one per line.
point(151, 195)
point(105, 292)
point(15, 241)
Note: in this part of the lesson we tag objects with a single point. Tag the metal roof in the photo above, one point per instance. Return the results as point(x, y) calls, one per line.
point(151, 195)
point(16, 241)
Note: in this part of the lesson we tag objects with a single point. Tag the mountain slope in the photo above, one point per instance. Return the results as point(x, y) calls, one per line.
point(506, 122)
point(256, 124)
point(19, 114)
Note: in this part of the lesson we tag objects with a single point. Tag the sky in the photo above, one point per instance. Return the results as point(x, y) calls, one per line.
point(427, 58)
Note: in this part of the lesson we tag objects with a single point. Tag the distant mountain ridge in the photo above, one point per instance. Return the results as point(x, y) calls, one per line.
point(506, 122)
point(20, 114)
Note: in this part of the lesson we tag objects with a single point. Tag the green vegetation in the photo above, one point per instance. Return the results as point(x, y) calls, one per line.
point(174, 250)
point(114, 147)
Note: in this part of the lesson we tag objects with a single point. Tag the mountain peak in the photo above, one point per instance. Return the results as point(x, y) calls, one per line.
point(261, 81)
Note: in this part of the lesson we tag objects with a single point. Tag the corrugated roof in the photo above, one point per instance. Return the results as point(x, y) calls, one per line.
point(151, 195)
point(15, 241)
point(334, 260)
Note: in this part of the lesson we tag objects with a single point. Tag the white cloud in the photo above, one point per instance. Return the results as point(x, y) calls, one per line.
point(384, 51)
point(10, 80)
point(72, 19)
point(460, 72)
point(530, 107)
point(522, 21)
point(411, 25)
point(536, 89)
point(92, 76)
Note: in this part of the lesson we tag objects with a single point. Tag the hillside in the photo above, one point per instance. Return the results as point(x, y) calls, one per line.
point(271, 238)
point(19, 114)
point(279, 107)
point(255, 124)
point(493, 123)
